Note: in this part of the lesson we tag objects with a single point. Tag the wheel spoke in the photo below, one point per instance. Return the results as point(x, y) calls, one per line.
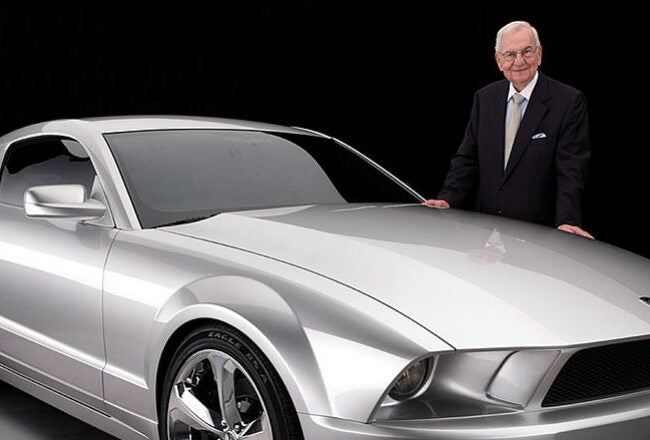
point(224, 369)
point(184, 407)
point(263, 434)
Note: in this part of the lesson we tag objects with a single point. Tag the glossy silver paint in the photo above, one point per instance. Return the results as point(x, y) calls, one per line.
point(339, 298)
point(62, 201)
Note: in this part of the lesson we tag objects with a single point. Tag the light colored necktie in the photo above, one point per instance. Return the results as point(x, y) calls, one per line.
point(512, 125)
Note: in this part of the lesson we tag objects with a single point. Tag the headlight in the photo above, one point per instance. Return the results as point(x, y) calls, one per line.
point(470, 383)
point(411, 380)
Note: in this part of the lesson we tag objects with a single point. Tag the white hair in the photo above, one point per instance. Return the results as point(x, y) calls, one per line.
point(514, 26)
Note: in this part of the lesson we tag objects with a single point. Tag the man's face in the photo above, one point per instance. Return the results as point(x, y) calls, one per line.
point(521, 69)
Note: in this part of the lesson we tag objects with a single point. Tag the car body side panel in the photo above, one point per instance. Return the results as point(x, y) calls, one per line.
point(50, 305)
point(98, 419)
point(196, 280)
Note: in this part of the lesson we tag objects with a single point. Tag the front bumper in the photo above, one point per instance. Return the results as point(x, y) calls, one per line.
point(625, 418)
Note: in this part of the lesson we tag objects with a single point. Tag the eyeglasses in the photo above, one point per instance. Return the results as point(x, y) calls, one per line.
point(526, 53)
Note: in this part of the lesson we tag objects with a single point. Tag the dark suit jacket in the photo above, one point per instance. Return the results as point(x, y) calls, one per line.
point(544, 180)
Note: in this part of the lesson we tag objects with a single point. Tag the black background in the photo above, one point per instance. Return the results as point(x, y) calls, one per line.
point(393, 78)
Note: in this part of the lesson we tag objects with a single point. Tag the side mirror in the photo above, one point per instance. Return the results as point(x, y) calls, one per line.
point(62, 201)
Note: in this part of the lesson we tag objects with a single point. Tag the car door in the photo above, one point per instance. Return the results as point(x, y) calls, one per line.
point(51, 273)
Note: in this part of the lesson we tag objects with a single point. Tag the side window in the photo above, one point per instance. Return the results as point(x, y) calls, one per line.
point(43, 161)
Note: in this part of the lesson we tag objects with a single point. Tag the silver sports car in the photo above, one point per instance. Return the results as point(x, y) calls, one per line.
point(195, 278)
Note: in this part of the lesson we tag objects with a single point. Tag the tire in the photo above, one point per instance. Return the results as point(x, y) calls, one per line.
point(251, 402)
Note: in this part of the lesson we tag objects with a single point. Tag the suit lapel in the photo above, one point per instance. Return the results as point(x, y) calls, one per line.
point(535, 112)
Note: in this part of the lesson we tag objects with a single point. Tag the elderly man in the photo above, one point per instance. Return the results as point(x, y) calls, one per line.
point(526, 147)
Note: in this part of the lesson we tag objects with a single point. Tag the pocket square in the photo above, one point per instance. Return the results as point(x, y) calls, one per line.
point(539, 136)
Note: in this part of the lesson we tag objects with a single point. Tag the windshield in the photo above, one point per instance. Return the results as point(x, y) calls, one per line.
point(176, 176)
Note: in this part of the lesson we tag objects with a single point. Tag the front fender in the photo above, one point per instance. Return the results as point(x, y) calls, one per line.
point(336, 358)
point(335, 348)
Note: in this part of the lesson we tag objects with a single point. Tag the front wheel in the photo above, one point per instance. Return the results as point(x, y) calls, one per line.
point(220, 386)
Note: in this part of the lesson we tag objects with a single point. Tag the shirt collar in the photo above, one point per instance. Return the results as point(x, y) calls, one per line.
point(527, 91)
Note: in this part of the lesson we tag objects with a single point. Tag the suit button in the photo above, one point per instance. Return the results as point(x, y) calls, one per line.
point(499, 212)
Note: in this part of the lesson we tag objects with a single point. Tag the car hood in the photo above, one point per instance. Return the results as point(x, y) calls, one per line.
point(475, 281)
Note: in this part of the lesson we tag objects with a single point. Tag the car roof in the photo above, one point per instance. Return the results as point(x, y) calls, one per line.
point(117, 124)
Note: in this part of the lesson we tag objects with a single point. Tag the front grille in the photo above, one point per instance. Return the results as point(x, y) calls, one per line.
point(598, 372)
